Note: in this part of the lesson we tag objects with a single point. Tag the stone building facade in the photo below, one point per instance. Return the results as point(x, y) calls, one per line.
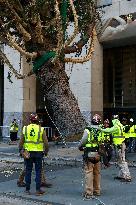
point(106, 83)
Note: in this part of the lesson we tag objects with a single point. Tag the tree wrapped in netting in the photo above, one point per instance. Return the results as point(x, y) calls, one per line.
point(37, 29)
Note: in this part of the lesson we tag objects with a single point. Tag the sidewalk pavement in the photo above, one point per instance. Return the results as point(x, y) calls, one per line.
point(66, 175)
point(61, 154)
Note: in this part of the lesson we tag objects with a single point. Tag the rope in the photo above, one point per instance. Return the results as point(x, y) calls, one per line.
point(12, 69)
point(63, 139)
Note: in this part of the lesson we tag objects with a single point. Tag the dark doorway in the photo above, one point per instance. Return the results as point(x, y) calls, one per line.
point(119, 76)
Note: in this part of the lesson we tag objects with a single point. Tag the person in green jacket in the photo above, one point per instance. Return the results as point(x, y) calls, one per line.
point(119, 143)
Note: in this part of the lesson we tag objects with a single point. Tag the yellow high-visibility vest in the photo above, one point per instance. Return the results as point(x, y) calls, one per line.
point(33, 135)
point(126, 134)
point(132, 131)
point(92, 142)
point(118, 138)
point(13, 127)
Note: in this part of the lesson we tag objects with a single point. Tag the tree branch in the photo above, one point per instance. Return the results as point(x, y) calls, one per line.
point(13, 44)
point(15, 14)
point(12, 69)
point(38, 30)
point(78, 46)
point(69, 41)
point(25, 34)
point(59, 29)
point(89, 54)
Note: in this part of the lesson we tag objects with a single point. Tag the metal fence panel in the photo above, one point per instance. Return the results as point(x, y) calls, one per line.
point(4, 132)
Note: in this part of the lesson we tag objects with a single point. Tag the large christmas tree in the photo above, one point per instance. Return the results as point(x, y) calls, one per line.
point(38, 30)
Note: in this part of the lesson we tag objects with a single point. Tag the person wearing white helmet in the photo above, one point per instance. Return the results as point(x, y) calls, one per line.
point(132, 136)
point(119, 142)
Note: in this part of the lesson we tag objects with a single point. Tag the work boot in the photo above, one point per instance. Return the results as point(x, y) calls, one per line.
point(39, 192)
point(126, 180)
point(96, 193)
point(21, 184)
point(88, 196)
point(118, 178)
point(45, 184)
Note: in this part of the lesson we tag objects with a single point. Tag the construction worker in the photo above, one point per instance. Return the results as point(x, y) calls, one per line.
point(44, 183)
point(33, 144)
point(13, 130)
point(132, 136)
point(126, 128)
point(91, 158)
point(119, 142)
point(107, 145)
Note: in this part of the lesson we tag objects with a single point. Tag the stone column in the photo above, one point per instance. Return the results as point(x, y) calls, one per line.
point(97, 79)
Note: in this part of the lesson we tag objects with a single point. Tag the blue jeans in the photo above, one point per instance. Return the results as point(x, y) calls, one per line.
point(37, 160)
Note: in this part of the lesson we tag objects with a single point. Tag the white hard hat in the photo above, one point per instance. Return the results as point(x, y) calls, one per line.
point(131, 120)
point(115, 116)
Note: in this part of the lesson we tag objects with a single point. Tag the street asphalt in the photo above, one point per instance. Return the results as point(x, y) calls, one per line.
point(66, 178)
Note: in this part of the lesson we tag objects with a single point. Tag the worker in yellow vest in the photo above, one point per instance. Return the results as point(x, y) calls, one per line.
point(126, 128)
point(119, 142)
point(33, 145)
point(13, 130)
point(132, 136)
point(90, 145)
point(107, 145)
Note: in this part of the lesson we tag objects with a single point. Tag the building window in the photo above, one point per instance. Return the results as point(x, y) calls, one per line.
point(103, 3)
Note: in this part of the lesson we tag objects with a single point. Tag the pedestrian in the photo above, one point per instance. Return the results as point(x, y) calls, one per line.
point(126, 128)
point(119, 143)
point(33, 144)
point(91, 158)
point(107, 145)
point(132, 136)
point(13, 130)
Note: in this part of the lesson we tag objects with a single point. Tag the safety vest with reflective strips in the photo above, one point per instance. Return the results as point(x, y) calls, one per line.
point(94, 137)
point(33, 135)
point(131, 132)
point(105, 137)
point(126, 130)
point(13, 127)
point(118, 138)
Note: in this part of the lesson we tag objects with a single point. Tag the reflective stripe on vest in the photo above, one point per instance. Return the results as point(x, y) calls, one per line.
point(118, 136)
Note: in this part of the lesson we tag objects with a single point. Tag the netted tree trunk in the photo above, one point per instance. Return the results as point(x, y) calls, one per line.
point(66, 113)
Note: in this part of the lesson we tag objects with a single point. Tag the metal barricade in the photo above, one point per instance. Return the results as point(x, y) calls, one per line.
point(49, 132)
point(4, 132)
